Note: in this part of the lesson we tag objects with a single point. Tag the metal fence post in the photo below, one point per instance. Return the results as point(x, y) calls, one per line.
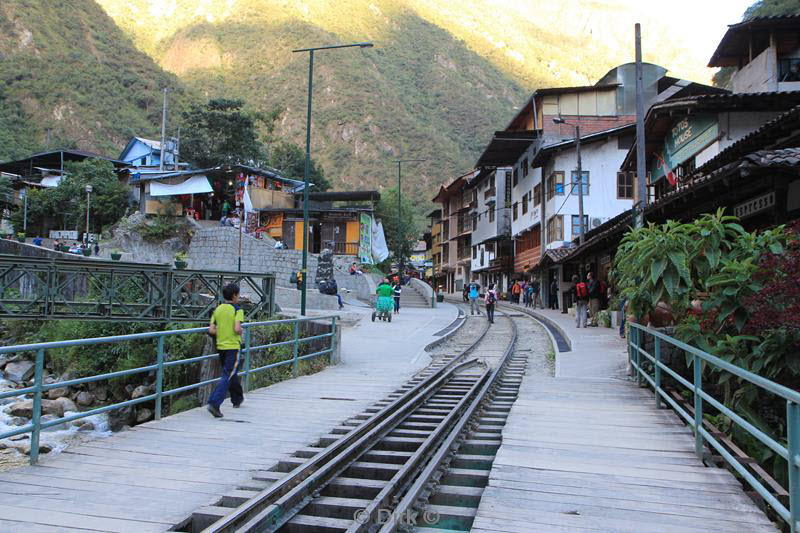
point(247, 359)
point(295, 347)
point(159, 375)
point(37, 406)
point(793, 447)
point(639, 337)
point(332, 355)
point(698, 406)
point(657, 377)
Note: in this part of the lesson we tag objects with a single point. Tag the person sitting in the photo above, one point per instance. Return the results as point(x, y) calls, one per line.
point(354, 270)
point(37, 241)
point(279, 245)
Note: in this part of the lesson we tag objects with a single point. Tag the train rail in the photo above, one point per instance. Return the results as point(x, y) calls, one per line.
point(430, 442)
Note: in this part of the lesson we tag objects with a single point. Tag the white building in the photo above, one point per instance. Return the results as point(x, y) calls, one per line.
point(491, 227)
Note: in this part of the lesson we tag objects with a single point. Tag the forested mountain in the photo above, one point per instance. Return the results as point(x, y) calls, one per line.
point(441, 78)
point(70, 75)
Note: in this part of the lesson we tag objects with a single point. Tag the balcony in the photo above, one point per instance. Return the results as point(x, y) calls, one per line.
point(345, 248)
point(502, 263)
point(490, 193)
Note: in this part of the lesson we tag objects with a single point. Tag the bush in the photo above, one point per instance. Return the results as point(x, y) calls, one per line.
point(160, 228)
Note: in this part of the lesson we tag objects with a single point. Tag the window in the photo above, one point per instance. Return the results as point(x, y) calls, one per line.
point(508, 188)
point(580, 188)
point(537, 195)
point(489, 246)
point(524, 203)
point(514, 211)
point(625, 185)
point(528, 240)
point(144, 161)
point(474, 252)
point(516, 176)
point(491, 213)
point(555, 229)
point(555, 184)
point(576, 222)
point(525, 167)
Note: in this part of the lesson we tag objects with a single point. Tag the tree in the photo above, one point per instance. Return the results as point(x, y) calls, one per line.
point(772, 8)
point(401, 238)
point(65, 205)
point(290, 160)
point(223, 132)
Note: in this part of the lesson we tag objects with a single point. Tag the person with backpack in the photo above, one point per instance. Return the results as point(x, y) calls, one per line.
point(490, 300)
point(554, 294)
point(515, 292)
point(226, 327)
point(580, 293)
point(473, 292)
point(594, 298)
point(534, 288)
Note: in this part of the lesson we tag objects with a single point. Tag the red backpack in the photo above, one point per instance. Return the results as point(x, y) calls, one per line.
point(581, 291)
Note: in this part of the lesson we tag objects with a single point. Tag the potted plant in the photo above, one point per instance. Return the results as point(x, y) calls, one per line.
point(116, 254)
point(21, 237)
point(87, 252)
point(181, 260)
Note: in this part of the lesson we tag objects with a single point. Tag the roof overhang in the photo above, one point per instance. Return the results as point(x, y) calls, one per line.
point(506, 147)
point(752, 37)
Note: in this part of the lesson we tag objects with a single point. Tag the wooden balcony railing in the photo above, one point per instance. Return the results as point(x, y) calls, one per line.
point(345, 248)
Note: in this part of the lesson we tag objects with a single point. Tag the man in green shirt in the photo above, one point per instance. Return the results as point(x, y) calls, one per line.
point(226, 326)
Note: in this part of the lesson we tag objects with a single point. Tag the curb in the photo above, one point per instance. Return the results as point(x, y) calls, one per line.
point(433, 344)
point(548, 325)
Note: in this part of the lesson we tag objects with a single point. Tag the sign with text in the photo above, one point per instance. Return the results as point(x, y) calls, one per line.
point(684, 140)
point(365, 239)
point(64, 234)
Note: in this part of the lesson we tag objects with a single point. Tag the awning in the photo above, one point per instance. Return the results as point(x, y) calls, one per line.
point(51, 181)
point(194, 185)
point(506, 147)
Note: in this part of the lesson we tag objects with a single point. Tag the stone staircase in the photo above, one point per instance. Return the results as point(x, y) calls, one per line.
point(411, 297)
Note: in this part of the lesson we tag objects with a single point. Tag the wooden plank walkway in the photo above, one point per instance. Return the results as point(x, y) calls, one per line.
point(154, 475)
point(593, 453)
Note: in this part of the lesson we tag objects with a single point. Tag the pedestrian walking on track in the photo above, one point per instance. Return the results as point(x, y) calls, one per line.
point(473, 292)
point(397, 291)
point(580, 293)
point(226, 327)
point(490, 300)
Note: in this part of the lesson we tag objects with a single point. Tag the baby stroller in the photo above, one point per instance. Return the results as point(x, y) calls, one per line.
point(384, 305)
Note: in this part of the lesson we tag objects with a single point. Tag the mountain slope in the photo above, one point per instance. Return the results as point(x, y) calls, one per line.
point(67, 68)
point(442, 76)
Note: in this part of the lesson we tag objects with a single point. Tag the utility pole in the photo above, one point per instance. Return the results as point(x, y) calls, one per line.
point(641, 174)
point(163, 130)
point(177, 151)
point(581, 225)
point(401, 258)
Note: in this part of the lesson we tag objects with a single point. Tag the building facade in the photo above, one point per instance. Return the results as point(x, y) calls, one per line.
point(491, 260)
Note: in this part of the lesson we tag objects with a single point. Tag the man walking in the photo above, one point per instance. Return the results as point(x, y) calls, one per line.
point(515, 290)
point(473, 293)
point(594, 298)
point(535, 299)
point(580, 293)
point(226, 326)
point(490, 299)
point(396, 290)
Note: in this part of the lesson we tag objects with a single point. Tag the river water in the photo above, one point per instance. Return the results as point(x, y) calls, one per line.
point(58, 438)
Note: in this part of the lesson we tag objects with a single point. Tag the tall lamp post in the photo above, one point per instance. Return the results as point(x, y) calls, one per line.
point(88, 199)
point(304, 267)
point(401, 259)
point(581, 225)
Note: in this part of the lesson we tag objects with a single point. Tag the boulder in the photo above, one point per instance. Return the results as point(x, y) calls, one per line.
point(85, 398)
point(119, 418)
point(25, 408)
point(20, 371)
point(325, 265)
point(140, 392)
point(68, 404)
point(129, 389)
point(101, 393)
point(58, 392)
point(143, 414)
point(49, 380)
point(57, 427)
point(26, 448)
point(85, 425)
point(19, 421)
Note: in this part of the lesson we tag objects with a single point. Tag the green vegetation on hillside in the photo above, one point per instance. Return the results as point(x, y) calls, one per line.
point(70, 75)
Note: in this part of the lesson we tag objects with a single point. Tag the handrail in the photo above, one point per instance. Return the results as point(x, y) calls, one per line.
point(38, 388)
point(790, 452)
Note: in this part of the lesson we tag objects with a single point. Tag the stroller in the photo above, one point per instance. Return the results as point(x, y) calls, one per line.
point(384, 305)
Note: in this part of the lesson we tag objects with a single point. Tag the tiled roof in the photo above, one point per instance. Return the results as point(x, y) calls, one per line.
point(784, 157)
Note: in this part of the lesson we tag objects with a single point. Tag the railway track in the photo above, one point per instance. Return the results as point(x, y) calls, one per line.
point(427, 446)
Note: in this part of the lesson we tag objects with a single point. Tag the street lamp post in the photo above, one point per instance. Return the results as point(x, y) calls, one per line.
point(581, 225)
point(401, 259)
point(304, 266)
point(88, 199)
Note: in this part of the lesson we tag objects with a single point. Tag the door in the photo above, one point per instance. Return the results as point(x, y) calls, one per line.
point(288, 234)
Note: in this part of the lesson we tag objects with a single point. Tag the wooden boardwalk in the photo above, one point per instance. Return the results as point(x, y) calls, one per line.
point(588, 453)
point(156, 474)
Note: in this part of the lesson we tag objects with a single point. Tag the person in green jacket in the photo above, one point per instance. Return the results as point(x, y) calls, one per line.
point(385, 302)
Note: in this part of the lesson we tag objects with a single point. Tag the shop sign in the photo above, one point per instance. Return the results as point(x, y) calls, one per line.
point(365, 239)
point(683, 141)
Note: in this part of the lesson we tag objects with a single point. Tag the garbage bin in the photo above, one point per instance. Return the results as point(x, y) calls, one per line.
point(440, 298)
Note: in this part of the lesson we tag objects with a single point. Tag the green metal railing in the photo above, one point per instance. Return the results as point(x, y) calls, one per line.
point(637, 356)
point(93, 289)
point(162, 362)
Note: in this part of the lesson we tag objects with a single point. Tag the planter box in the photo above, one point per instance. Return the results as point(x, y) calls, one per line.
point(180, 265)
point(116, 256)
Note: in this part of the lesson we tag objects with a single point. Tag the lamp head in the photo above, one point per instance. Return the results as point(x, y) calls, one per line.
point(88, 188)
point(559, 120)
point(365, 45)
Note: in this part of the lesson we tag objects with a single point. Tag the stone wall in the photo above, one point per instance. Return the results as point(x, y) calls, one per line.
point(218, 249)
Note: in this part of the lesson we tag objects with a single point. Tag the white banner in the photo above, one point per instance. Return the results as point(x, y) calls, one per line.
point(64, 234)
point(379, 249)
point(194, 185)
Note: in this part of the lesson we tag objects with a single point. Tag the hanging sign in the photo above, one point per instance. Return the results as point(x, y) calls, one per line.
point(683, 141)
